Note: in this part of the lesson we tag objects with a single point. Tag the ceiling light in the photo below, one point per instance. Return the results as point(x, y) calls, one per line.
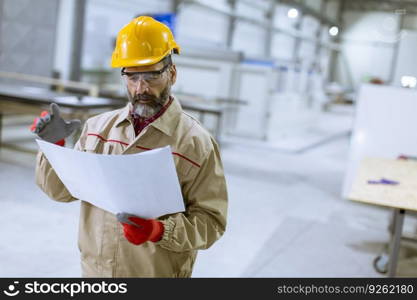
point(333, 31)
point(292, 13)
point(408, 81)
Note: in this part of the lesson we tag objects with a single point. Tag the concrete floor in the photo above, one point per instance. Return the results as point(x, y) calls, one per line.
point(286, 218)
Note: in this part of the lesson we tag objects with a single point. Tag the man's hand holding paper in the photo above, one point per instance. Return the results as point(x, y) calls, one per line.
point(143, 184)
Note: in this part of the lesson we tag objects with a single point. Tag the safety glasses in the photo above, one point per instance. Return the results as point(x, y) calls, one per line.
point(152, 77)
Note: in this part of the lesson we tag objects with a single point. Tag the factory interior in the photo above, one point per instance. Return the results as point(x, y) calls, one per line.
point(302, 97)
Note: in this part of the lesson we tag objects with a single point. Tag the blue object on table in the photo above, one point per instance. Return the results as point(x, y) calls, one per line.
point(168, 19)
point(260, 62)
point(383, 181)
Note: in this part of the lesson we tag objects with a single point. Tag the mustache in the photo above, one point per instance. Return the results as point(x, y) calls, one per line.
point(153, 100)
point(144, 97)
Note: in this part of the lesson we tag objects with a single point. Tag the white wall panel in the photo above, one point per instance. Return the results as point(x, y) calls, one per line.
point(202, 77)
point(282, 46)
point(198, 81)
point(281, 19)
point(249, 38)
point(309, 26)
point(134, 6)
point(324, 36)
point(303, 84)
point(307, 50)
point(209, 79)
point(219, 4)
point(200, 26)
point(27, 36)
point(253, 87)
point(294, 76)
point(244, 9)
point(324, 62)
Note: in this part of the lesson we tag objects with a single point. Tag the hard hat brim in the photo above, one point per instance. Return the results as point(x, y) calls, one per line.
point(138, 62)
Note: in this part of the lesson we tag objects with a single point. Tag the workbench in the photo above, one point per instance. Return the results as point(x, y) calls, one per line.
point(16, 99)
point(32, 100)
point(400, 194)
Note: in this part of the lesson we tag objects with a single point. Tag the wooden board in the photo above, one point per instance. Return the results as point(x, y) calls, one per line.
point(402, 195)
point(384, 126)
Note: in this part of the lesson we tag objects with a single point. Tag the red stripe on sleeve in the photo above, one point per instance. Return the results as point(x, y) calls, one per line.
point(143, 148)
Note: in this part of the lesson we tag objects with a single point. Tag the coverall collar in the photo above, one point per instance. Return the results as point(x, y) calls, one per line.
point(167, 122)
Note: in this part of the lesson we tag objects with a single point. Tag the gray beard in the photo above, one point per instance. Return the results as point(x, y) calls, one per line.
point(145, 110)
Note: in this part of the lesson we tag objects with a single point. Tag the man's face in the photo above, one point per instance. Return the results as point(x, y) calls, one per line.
point(148, 92)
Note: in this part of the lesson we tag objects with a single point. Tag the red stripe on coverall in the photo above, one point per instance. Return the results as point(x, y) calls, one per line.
point(143, 148)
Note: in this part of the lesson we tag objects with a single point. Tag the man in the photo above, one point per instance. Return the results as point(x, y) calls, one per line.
point(167, 246)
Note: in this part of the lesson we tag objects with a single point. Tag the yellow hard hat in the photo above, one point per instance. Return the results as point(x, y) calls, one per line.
point(142, 42)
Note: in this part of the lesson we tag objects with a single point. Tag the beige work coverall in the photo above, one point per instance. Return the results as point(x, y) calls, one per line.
point(105, 252)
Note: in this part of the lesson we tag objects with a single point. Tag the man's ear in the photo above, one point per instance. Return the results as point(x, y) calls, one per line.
point(173, 74)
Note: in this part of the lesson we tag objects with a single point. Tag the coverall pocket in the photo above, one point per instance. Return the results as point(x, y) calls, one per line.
point(94, 144)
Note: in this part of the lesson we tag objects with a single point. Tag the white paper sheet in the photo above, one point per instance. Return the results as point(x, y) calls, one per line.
point(143, 184)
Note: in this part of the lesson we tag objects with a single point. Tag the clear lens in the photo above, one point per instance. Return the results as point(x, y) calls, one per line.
point(149, 77)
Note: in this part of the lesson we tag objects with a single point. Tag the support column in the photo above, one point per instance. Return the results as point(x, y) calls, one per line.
point(232, 24)
point(270, 14)
point(396, 48)
point(395, 242)
point(77, 39)
point(334, 55)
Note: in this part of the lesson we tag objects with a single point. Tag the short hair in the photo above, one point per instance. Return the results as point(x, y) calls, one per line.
point(167, 60)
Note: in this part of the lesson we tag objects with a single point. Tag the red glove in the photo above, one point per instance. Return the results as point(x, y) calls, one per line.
point(141, 230)
point(35, 122)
